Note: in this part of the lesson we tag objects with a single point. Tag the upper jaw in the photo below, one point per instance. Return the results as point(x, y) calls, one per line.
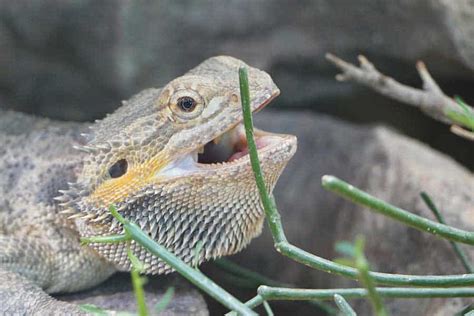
point(265, 98)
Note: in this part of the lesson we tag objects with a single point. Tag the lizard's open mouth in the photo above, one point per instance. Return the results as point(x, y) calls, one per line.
point(230, 149)
point(232, 145)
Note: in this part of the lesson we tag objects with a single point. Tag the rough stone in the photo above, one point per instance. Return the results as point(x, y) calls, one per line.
point(61, 56)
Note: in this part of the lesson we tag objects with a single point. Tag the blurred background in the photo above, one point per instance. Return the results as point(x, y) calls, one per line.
point(77, 59)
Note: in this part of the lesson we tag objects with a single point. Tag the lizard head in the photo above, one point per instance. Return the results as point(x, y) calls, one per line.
point(174, 160)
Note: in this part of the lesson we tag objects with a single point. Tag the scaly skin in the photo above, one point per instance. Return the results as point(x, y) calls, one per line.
point(142, 158)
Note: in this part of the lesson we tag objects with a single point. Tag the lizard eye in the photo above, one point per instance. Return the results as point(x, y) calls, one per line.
point(186, 104)
point(118, 169)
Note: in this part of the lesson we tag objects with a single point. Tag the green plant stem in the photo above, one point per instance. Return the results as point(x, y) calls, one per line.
point(365, 279)
point(268, 309)
point(137, 282)
point(165, 300)
point(328, 266)
point(194, 276)
point(111, 239)
point(313, 261)
point(240, 282)
point(344, 307)
point(266, 293)
point(273, 293)
point(273, 218)
point(360, 197)
point(254, 301)
point(197, 254)
point(91, 309)
point(459, 252)
point(256, 278)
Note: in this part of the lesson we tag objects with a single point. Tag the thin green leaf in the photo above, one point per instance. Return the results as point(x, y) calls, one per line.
point(464, 106)
point(268, 309)
point(344, 307)
point(93, 309)
point(464, 118)
point(255, 278)
point(197, 254)
point(364, 277)
point(466, 311)
point(165, 300)
point(138, 281)
point(345, 248)
point(136, 264)
point(457, 249)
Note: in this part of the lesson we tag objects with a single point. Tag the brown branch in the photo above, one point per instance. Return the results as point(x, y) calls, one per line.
point(430, 99)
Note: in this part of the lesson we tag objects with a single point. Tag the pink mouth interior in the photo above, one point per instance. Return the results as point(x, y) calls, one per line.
point(236, 148)
point(233, 149)
point(241, 149)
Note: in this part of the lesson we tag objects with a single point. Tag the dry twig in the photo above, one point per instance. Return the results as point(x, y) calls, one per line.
point(430, 99)
point(458, 130)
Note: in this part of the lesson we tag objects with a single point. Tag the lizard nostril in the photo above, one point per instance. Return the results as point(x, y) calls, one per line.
point(234, 98)
point(118, 169)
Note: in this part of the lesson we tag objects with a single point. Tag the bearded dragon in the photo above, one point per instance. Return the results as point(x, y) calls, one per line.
point(173, 160)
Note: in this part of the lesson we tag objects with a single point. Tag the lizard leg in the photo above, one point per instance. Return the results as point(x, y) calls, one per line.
point(26, 268)
point(29, 268)
point(27, 257)
point(20, 296)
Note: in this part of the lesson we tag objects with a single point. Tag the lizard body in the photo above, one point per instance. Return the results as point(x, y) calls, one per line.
point(145, 159)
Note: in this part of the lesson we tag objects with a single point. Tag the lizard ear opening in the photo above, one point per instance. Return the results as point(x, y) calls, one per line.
point(118, 169)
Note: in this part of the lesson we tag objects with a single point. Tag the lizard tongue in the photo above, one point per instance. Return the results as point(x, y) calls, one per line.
point(239, 154)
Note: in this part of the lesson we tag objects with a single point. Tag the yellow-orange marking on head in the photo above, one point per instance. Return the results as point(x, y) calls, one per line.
point(137, 177)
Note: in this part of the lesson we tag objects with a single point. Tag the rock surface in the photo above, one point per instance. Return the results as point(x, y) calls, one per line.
point(385, 164)
point(61, 56)
point(117, 294)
